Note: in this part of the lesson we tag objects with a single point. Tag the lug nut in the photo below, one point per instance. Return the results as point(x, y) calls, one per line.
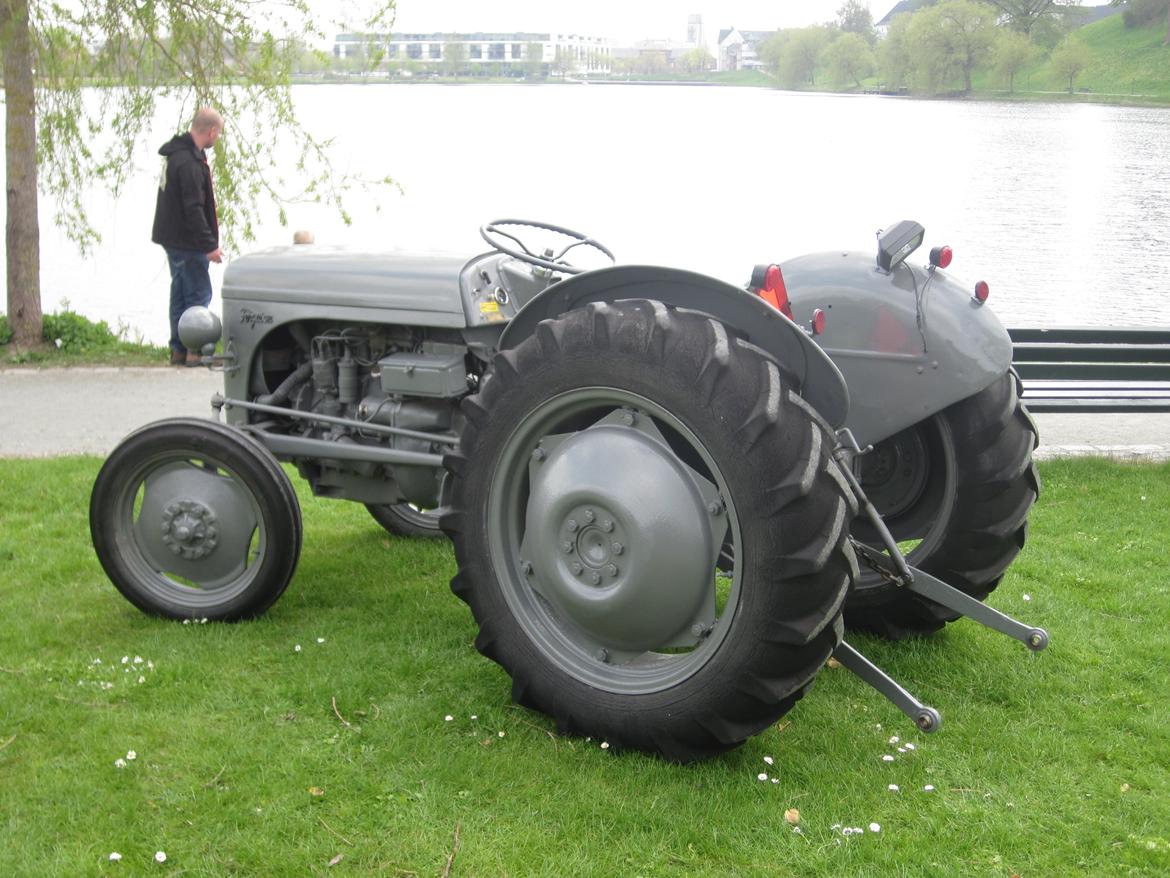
point(607, 525)
point(617, 548)
point(602, 655)
point(576, 568)
point(567, 547)
point(572, 525)
point(611, 569)
point(595, 578)
point(627, 418)
point(539, 454)
point(526, 568)
point(715, 507)
point(588, 516)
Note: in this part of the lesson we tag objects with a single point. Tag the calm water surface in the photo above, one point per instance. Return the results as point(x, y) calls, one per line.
point(1063, 209)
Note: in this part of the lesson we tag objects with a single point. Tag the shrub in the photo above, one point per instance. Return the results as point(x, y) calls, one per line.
point(70, 331)
point(5, 330)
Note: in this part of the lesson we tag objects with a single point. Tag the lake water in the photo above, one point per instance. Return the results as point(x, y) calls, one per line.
point(1062, 208)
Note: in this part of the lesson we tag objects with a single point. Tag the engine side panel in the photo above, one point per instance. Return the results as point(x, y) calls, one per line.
point(908, 344)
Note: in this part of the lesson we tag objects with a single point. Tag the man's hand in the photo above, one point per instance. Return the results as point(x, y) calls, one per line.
point(215, 255)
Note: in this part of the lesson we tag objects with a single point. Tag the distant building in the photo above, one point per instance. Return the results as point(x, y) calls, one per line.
point(695, 31)
point(738, 49)
point(581, 54)
point(899, 9)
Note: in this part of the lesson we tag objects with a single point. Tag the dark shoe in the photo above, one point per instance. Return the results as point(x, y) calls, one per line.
point(193, 359)
point(178, 356)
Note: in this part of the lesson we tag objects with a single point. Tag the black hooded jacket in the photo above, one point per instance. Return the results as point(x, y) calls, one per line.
point(184, 215)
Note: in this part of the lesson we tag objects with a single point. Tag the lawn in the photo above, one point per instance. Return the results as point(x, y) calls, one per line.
point(355, 724)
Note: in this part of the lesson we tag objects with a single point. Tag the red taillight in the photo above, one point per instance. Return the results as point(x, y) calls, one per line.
point(941, 256)
point(773, 290)
point(982, 291)
point(818, 322)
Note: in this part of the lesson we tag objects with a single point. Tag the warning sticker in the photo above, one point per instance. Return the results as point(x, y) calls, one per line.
point(489, 308)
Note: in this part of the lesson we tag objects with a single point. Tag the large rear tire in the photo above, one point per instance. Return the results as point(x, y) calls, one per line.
point(192, 519)
point(955, 490)
point(650, 530)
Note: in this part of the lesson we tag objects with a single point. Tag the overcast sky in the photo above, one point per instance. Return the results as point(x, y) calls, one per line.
point(618, 19)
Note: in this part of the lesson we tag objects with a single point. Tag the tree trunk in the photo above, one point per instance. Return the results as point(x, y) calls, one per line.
point(24, 238)
point(1166, 42)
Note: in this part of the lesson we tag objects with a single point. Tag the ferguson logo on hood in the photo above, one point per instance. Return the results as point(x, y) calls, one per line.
point(254, 318)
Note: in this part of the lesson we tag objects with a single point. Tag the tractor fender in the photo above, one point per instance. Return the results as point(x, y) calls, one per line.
point(749, 317)
point(909, 342)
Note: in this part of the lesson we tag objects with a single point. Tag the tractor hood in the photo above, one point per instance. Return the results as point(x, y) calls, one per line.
point(413, 288)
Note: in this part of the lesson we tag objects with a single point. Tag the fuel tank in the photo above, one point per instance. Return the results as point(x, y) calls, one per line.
point(909, 342)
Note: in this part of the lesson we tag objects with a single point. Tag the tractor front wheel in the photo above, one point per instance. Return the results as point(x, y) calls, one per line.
point(192, 519)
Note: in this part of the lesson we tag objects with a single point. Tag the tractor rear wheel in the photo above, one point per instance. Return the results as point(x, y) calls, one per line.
point(650, 529)
point(955, 491)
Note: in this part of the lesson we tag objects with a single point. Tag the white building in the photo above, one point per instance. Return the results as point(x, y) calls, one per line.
point(738, 49)
point(574, 52)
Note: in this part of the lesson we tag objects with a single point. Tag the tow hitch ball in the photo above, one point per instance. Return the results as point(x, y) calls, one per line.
point(891, 565)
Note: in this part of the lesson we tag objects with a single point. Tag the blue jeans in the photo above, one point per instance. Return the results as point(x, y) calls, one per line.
point(190, 285)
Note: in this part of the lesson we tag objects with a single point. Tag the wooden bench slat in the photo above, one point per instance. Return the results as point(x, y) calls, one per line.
point(1091, 335)
point(1028, 352)
point(1093, 369)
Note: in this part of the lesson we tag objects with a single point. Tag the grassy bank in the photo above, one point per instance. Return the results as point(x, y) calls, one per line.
point(1125, 64)
point(252, 757)
point(69, 339)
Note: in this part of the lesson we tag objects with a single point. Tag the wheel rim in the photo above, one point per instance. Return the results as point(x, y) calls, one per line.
point(616, 584)
point(911, 479)
point(189, 530)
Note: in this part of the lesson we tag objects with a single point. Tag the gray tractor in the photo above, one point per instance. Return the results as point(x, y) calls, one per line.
point(668, 495)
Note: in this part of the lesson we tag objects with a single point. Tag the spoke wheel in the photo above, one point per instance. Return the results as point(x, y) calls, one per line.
point(193, 519)
point(650, 529)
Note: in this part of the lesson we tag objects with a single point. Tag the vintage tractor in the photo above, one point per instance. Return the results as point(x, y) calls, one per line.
point(667, 494)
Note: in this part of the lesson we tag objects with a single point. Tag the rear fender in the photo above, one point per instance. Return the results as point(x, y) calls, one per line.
point(908, 344)
point(821, 384)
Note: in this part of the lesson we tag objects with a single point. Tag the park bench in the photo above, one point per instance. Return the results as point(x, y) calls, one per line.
point(1099, 369)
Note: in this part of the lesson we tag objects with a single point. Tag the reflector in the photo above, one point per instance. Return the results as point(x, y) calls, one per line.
point(773, 291)
point(818, 322)
point(982, 291)
point(941, 256)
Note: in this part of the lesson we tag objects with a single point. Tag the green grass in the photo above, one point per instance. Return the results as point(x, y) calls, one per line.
point(71, 339)
point(1053, 764)
point(1125, 62)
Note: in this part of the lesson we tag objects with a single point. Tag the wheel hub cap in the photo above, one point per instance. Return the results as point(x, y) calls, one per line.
point(189, 529)
point(196, 524)
point(622, 536)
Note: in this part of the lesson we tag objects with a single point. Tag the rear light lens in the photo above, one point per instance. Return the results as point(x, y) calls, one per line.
point(818, 322)
point(941, 256)
point(982, 291)
point(768, 284)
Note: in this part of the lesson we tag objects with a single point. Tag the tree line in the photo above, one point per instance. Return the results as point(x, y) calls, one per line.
point(938, 47)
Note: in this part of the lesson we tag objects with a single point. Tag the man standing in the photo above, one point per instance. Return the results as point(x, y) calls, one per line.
point(185, 223)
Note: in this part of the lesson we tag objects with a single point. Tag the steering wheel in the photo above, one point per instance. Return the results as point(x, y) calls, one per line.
point(492, 233)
